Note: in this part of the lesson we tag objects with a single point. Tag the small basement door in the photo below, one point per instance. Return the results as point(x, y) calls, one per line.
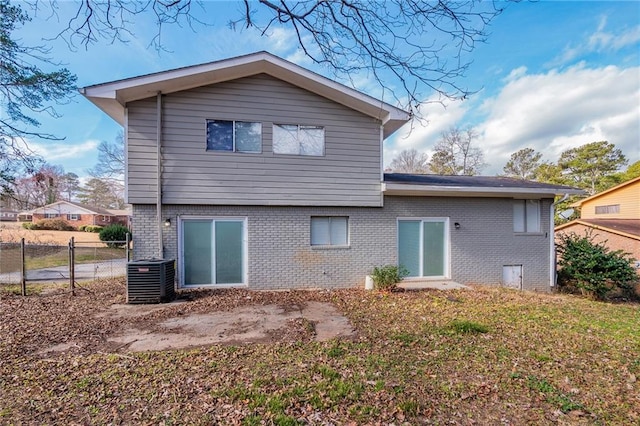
point(512, 276)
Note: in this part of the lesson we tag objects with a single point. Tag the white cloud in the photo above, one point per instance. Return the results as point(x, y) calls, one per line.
point(559, 110)
point(549, 112)
point(422, 136)
point(59, 150)
point(600, 40)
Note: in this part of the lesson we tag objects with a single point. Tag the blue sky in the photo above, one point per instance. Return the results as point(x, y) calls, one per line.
point(551, 76)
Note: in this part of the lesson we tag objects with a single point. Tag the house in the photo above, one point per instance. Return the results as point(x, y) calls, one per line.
point(612, 216)
point(8, 215)
point(255, 172)
point(77, 214)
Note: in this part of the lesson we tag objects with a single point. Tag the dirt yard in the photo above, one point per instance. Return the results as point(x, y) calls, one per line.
point(12, 232)
point(198, 318)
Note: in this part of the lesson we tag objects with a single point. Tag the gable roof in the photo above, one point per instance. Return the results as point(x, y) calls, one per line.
point(465, 186)
point(629, 228)
point(112, 97)
point(607, 191)
point(84, 207)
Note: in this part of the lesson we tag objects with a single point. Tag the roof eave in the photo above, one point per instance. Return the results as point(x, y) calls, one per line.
point(113, 97)
point(461, 191)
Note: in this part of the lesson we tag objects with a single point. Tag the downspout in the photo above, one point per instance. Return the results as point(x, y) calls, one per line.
point(159, 172)
point(552, 241)
point(382, 188)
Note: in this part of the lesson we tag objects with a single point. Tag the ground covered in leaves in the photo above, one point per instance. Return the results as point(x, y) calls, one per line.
point(479, 356)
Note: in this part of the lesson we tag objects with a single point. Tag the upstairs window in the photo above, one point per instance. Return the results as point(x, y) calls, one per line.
point(329, 231)
point(298, 140)
point(234, 136)
point(526, 216)
point(611, 209)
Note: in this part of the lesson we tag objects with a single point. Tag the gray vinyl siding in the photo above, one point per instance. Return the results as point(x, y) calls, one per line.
point(142, 152)
point(347, 175)
point(280, 255)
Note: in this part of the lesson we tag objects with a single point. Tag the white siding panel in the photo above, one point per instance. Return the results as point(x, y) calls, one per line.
point(347, 175)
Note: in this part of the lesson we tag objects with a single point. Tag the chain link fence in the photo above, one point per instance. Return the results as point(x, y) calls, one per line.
point(23, 263)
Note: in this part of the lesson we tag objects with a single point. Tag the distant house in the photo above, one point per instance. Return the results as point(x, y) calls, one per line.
point(255, 172)
point(8, 215)
point(77, 214)
point(612, 216)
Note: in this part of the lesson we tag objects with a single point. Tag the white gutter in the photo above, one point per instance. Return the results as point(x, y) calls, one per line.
point(393, 188)
point(159, 172)
point(552, 241)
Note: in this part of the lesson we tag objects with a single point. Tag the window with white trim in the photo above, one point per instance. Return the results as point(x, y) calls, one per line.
point(296, 139)
point(51, 215)
point(234, 136)
point(526, 216)
point(329, 231)
point(73, 216)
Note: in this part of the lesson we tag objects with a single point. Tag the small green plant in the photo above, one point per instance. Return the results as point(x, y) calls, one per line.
point(116, 233)
point(387, 277)
point(91, 228)
point(593, 269)
point(468, 327)
point(553, 395)
point(28, 225)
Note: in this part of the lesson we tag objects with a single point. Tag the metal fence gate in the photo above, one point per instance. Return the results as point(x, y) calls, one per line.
point(22, 263)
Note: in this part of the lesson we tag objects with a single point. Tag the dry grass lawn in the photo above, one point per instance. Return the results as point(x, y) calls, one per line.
point(12, 232)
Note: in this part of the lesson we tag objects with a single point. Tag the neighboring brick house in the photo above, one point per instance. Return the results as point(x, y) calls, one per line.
point(255, 172)
point(612, 216)
point(77, 214)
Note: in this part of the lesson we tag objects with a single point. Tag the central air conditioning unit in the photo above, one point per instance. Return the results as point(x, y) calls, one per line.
point(150, 281)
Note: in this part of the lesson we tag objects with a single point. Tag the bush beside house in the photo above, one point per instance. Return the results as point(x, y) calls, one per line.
point(593, 269)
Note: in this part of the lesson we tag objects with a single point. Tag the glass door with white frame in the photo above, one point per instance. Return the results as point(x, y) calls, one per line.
point(213, 251)
point(423, 247)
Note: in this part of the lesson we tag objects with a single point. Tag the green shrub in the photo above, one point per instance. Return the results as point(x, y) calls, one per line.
point(117, 233)
point(387, 277)
point(593, 269)
point(92, 228)
point(28, 225)
point(51, 225)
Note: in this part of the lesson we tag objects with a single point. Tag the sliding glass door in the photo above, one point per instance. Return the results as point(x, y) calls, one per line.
point(213, 251)
point(423, 246)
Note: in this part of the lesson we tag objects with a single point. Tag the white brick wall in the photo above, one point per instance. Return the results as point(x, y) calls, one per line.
point(280, 255)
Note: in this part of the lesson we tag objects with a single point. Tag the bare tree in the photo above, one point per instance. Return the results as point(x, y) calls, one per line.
point(523, 164)
point(412, 48)
point(111, 161)
point(410, 161)
point(43, 187)
point(455, 155)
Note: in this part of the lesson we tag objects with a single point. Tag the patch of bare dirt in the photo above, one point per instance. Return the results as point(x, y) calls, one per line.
point(318, 321)
point(97, 320)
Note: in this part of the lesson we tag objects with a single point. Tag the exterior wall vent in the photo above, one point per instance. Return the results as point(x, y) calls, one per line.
point(150, 281)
